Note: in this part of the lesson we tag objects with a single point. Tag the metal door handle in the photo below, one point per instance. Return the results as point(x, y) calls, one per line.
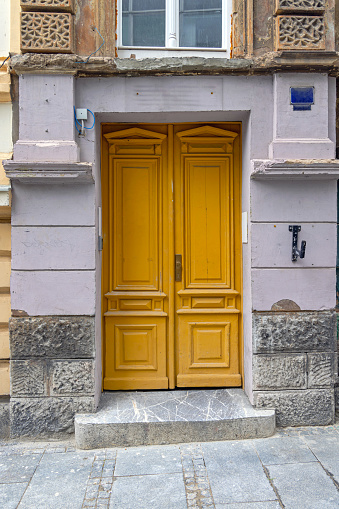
point(178, 267)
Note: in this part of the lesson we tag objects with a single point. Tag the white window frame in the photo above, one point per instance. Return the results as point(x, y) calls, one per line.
point(171, 48)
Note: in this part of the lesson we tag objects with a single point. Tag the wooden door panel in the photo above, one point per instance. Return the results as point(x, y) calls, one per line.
point(135, 235)
point(207, 218)
point(135, 352)
point(135, 320)
point(171, 190)
point(208, 300)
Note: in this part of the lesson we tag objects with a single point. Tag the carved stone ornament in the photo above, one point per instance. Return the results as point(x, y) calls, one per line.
point(44, 32)
point(300, 6)
point(300, 32)
point(48, 5)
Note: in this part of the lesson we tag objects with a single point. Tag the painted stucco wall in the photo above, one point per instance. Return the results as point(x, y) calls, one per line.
point(51, 276)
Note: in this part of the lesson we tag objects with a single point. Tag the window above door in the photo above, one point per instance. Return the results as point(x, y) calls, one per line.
point(157, 28)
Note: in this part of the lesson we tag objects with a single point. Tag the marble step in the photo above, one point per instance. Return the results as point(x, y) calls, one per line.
point(134, 418)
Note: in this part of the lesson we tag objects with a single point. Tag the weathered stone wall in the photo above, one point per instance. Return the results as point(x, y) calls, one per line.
point(52, 373)
point(263, 26)
point(295, 366)
point(337, 118)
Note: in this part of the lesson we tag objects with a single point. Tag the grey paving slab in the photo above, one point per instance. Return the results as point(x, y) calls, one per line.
point(325, 446)
point(164, 491)
point(279, 450)
point(10, 494)
point(304, 485)
point(235, 473)
point(148, 460)
point(15, 468)
point(59, 482)
point(251, 505)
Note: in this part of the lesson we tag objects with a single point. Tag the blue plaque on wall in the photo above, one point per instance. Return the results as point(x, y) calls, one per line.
point(302, 98)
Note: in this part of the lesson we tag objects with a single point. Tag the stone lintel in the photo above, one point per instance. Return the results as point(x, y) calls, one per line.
point(297, 169)
point(49, 172)
point(307, 61)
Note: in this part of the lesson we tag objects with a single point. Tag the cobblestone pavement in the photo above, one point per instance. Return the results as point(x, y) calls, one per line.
point(297, 468)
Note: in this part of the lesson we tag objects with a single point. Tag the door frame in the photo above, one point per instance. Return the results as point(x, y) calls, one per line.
point(171, 360)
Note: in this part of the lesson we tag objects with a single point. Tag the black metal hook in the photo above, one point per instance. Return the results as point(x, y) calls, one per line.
point(295, 229)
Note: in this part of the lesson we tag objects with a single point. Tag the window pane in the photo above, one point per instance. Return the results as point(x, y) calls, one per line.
point(143, 23)
point(143, 29)
point(200, 23)
point(148, 5)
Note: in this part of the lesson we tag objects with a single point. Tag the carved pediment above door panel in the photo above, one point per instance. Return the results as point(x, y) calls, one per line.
point(135, 140)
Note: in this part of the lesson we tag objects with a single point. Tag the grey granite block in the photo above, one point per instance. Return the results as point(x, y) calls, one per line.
point(10, 494)
point(28, 378)
point(59, 482)
point(320, 369)
point(69, 337)
point(167, 417)
point(308, 483)
point(4, 417)
point(294, 332)
point(235, 473)
point(18, 469)
point(148, 460)
point(163, 491)
point(45, 417)
point(336, 396)
point(72, 377)
point(325, 446)
point(299, 408)
point(278, 450)
point(284, 371)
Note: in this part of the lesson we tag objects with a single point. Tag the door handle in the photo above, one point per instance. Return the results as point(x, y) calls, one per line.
point(178, 267)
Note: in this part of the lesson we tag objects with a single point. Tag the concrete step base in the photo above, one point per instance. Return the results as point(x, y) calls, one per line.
point(127, 419)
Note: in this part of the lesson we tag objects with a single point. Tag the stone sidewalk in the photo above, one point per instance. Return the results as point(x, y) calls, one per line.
point(297, 468)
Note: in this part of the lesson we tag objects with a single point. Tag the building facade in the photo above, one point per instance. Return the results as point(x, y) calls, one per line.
point(9, 43)
point(167, 155)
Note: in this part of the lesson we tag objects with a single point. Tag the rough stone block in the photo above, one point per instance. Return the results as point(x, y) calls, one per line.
point(300, 32)
point(299, 408)
point(72, 377)
point(46, 32)
point(279, 372)
point(336, 399)
point(70, 337)
point(320, 370)
point(4, 418)
point(28, 378)
point(294, 332)
point(46, 417)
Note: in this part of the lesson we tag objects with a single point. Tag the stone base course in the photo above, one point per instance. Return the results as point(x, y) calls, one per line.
point(46, 417)
point(69, 337)
point(52, 373)
point(34, 378)
point(295, 354)
point(299, 408)
point(294, 332)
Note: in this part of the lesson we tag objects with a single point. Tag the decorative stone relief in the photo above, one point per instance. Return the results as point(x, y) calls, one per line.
point(300, 5)
point(300, 32)
point(46, 32)
point(48, 5)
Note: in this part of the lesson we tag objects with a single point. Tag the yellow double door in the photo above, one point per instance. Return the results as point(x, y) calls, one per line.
point(172, 255)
